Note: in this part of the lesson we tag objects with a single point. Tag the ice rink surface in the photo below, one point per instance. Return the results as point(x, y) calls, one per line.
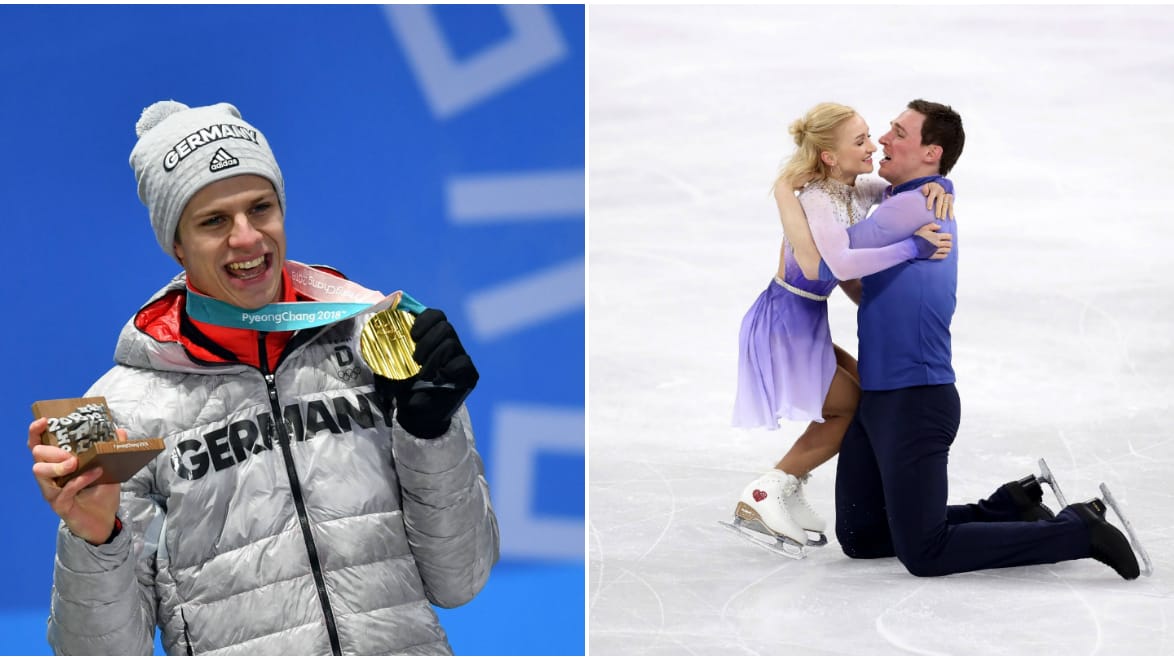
point(1063, 337)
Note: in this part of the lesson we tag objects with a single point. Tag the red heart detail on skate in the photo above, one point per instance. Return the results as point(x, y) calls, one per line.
point(759, 495)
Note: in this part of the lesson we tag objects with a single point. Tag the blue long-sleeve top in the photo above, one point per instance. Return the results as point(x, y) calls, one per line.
point(903, 324)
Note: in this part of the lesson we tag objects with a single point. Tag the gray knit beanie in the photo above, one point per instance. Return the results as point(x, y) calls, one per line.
point(181, 150)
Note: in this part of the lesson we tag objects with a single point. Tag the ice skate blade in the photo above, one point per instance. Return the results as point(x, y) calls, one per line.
point(778, 545)
point(1046, 476)
point(1147, 567)
point(816, 542)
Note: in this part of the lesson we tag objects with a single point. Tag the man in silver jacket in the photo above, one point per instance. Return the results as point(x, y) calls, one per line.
point(303, 505)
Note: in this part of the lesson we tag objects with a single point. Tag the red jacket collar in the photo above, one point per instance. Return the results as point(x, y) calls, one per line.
point(166, 321)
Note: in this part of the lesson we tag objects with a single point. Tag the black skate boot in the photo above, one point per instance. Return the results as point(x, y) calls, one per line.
point(1109, 545)
point(1029, 496)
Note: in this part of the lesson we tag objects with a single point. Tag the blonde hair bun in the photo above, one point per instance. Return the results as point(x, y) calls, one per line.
point(813, 133)
point(799, 131)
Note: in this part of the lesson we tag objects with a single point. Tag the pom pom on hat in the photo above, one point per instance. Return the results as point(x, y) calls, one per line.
point(155, 113)
point(183, 149)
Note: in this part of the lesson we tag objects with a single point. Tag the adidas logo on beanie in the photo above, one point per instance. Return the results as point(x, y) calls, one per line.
point(181, 149)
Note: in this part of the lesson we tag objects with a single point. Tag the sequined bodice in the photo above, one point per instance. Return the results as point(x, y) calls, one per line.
point(849, 205)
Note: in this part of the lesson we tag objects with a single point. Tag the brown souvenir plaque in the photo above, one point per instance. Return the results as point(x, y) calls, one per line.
point(84, 426)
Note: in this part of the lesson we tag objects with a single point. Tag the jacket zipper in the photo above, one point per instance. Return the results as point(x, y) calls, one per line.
point(187, 640)
point(296, 490)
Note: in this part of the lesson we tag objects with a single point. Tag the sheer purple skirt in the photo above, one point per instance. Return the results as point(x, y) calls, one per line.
point(786, 361)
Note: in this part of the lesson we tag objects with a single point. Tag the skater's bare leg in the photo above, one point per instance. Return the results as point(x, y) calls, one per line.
point(821, 441)
point(774, 502)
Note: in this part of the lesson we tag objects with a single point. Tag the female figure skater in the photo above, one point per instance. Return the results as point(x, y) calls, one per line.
point(788, 366)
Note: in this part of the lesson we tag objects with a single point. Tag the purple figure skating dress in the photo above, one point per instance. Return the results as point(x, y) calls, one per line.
point(786, 361)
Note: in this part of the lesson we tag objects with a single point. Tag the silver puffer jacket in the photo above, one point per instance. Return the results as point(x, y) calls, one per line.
point(239, 542)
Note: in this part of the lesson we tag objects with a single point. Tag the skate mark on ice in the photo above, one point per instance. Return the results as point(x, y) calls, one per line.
point(1162, 651)
point(695, 193)
point(646, 522)
point(672, 510)
point(1096, 620)
point(1165, 627)
point(1120, 339)
point(738, 594)
point(1152, 447)
point(599, 573)
point(644, 256)
point(1071, 454)
point(659, 606)
point(1080, 470)
point(895, 639)
point(636, 632)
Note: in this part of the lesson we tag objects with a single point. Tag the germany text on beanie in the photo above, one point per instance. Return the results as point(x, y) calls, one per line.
point(181, 150)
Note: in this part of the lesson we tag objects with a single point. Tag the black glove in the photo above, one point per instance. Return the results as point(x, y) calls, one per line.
point(426, 402)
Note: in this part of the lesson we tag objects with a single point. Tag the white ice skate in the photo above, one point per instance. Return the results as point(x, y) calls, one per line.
point(762, 515)
point(805, 515)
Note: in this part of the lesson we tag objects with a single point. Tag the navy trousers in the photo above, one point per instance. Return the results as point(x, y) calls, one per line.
point(891, 494)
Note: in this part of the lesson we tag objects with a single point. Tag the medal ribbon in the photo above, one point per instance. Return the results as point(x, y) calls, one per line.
point(336, 299)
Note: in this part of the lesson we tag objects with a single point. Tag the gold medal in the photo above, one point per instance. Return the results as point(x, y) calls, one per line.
point(386, 344)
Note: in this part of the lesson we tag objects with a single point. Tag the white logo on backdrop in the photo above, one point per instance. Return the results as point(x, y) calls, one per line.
point(451, 86)
point(522, 431)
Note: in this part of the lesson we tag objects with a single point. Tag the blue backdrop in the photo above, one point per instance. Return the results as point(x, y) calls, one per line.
point(438, 150)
